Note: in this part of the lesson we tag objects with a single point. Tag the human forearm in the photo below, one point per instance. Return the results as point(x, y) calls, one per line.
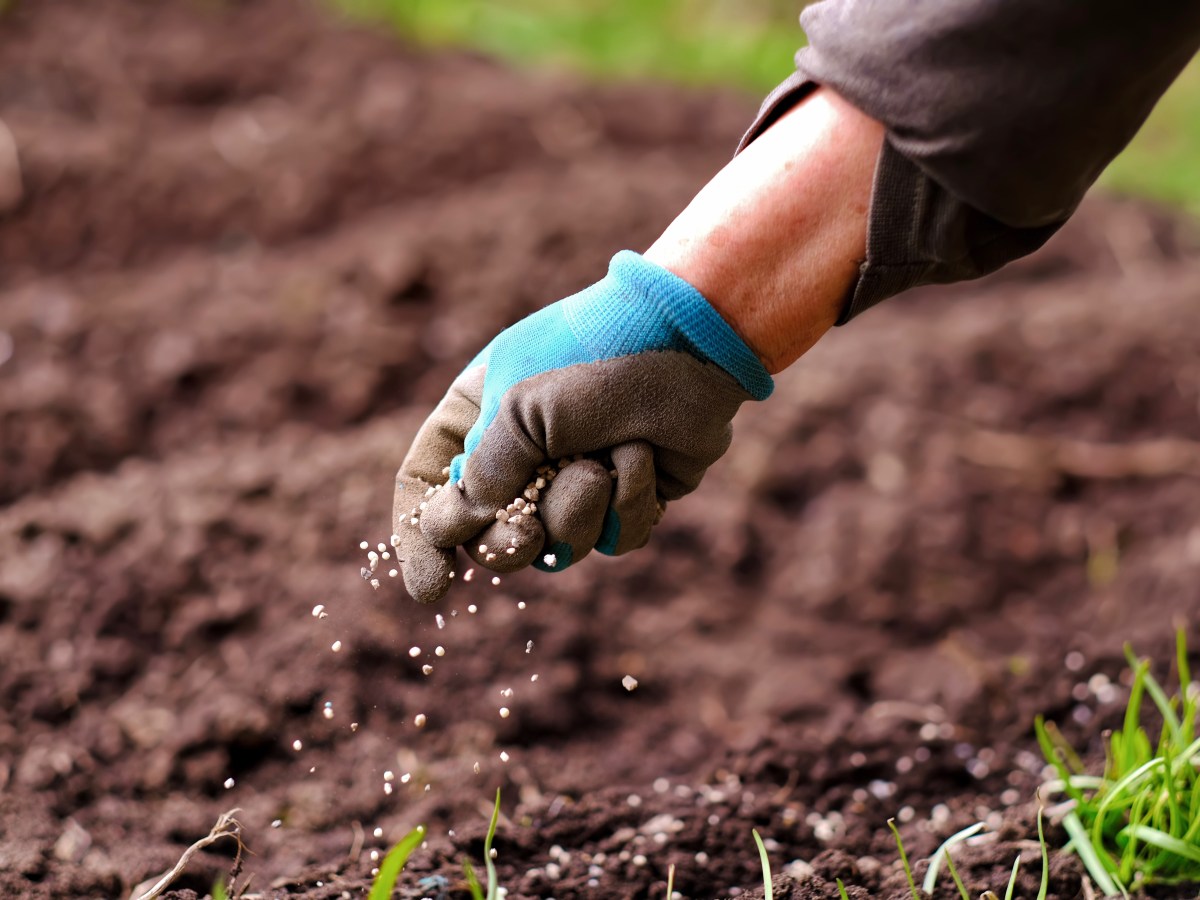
point(775, 240)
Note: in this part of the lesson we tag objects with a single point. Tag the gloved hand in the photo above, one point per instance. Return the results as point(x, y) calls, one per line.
point(573, 428)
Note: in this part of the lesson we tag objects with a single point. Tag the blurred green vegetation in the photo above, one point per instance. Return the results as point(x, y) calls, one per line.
point(735, 43)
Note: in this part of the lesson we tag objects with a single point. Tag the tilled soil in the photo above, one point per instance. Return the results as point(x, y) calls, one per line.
point(252, 247)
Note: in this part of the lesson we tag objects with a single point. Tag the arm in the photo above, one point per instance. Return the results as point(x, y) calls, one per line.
point(1000, 114)
point(575, 427)
point(775, 240)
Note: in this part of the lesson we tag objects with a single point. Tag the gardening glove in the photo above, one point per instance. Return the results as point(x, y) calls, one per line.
point(615, 401)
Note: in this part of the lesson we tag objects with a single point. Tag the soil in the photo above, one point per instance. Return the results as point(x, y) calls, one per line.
point(251, 247)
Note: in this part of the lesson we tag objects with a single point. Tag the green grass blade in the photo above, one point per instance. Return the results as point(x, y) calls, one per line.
point(957, 881)
point(493, 886)
point(943, 854)
point(1052, 755)
point(218, 890)
point(670, 881)
point(1164, 841)
point(1091, 859)
point(1165, 707)
point(472, 880)
point(1045, 888)
point(393, 864)
point(1133, 712)
point(842, 889)
point(766, 864)
point(1181, 661)
point(912, 885)
point(1012, 879)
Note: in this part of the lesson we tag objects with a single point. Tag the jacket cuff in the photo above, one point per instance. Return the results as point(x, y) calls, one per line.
point(917, 231)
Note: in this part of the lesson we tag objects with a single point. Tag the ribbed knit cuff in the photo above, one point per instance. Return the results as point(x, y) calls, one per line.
point(693, 318)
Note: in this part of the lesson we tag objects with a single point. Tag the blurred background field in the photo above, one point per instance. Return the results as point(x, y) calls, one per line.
point(744, 45)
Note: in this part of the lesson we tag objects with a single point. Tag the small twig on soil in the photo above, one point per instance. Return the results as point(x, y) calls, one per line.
point(226, 826)
point(356, 843)
point(1153, 458)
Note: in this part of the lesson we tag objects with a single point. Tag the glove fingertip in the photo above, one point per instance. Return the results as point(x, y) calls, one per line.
point(610, 533)
point(427, 576)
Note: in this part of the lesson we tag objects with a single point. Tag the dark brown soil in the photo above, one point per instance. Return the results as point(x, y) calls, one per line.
point(253, 247)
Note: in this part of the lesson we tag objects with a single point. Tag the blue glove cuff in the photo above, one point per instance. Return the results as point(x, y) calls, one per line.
point(621, 308)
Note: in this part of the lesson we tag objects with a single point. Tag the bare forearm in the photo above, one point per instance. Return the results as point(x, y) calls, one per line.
point(774, 241)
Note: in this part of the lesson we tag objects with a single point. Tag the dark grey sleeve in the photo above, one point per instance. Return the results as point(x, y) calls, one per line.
point(1000, 114)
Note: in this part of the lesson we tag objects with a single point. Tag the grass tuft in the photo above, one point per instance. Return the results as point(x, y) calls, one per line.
point(1138, 823)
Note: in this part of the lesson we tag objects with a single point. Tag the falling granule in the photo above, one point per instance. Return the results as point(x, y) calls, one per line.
point(327, 712)
point(378, 832)
point(414, 652)
point(389, 775)
point(504, 712)
point(336, 646)
point(529, 646)
point(384, 554)
point(426, 669)
point(229, 782)
point(503, 756)
point(297, 745)
point(520, 604)
point(374, 856)
point(382, 547)
point(394, 540)
point(506, 692)
point(468, 575)
point(483, 548)
point(319, 611)
point(276, 823)
point(533, 677)
point(496, 579)
point(493, 853)
point(375, 583)
point(354, 726)
point(629, 682)
point(550, 560)
point(511, 550)
point(472, 609)
point(392, 573)
point(439, 650)
point(476, 767)
point(406, 778)
point(364, 546)
point(387, 787)
point(419, 720)
point(441, 621)
point(373, 557)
